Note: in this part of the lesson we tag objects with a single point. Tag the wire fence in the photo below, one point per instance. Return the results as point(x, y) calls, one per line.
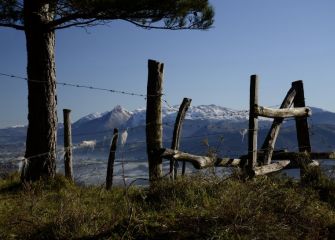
point(91, 161)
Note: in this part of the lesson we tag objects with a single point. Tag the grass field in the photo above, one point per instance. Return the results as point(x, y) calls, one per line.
point(196, 207)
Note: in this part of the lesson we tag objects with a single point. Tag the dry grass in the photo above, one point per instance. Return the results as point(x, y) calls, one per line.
point(190, 208)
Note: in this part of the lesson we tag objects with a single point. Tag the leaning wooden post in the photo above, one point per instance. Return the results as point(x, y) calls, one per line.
point(270, 140)
point(154, 130)
point(301, 122)
point(67, 145)
point(111, 160)
point(176, 135)
point(253, 126)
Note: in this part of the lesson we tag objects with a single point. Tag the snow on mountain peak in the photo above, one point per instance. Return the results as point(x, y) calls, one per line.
point(118, 115)
point(89, 117)
point(213, 112)
point(201, 112)
point(119, 108)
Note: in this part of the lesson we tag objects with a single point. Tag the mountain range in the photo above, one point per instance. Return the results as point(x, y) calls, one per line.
point(206, 128)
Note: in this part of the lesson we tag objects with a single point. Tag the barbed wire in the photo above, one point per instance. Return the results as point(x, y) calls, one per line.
point(79, 86)
point(90, 87)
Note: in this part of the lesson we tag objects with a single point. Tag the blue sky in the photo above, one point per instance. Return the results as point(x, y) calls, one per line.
point(280, 40)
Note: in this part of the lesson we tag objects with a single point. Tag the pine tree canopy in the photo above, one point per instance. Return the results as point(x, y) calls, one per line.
point(161, 14)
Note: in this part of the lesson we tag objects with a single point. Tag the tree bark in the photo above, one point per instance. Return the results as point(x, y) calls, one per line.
point(42, 100)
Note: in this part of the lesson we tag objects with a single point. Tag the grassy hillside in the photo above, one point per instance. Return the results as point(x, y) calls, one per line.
point(191, 208)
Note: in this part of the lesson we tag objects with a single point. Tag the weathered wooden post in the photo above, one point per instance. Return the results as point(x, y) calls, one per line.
point(301, 123)
point(176, 135)
point(111, 160)
point(270, 140)
point(253, 126)
point(154, 130)
point(67, 145)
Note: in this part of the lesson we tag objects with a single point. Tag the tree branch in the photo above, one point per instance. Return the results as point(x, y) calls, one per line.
point(163, 27)
point(78, 24)
point(11, 25)
point(56, 24)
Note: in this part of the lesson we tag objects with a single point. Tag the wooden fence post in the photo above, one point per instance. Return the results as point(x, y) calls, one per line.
point(301, 123)
point(176, 135)
point(67, 145)
point(154, 130)
point(270, 140)
point(111, 160)
point(253, 126)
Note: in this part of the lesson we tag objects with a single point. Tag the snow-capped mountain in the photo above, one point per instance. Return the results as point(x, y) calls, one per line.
point(203, 120)
point(213, 112)
point(103, 121)
point(89, 117)
point(201, 112)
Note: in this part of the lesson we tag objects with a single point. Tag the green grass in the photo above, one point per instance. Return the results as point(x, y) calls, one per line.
point(190, 208)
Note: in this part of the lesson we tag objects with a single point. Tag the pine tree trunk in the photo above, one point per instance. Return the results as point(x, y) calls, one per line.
point(42, 100)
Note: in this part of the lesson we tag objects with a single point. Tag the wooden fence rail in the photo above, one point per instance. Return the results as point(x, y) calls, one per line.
point(283, 112)
point(286, 160)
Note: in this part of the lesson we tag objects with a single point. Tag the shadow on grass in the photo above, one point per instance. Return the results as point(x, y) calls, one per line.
point(11, 184)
